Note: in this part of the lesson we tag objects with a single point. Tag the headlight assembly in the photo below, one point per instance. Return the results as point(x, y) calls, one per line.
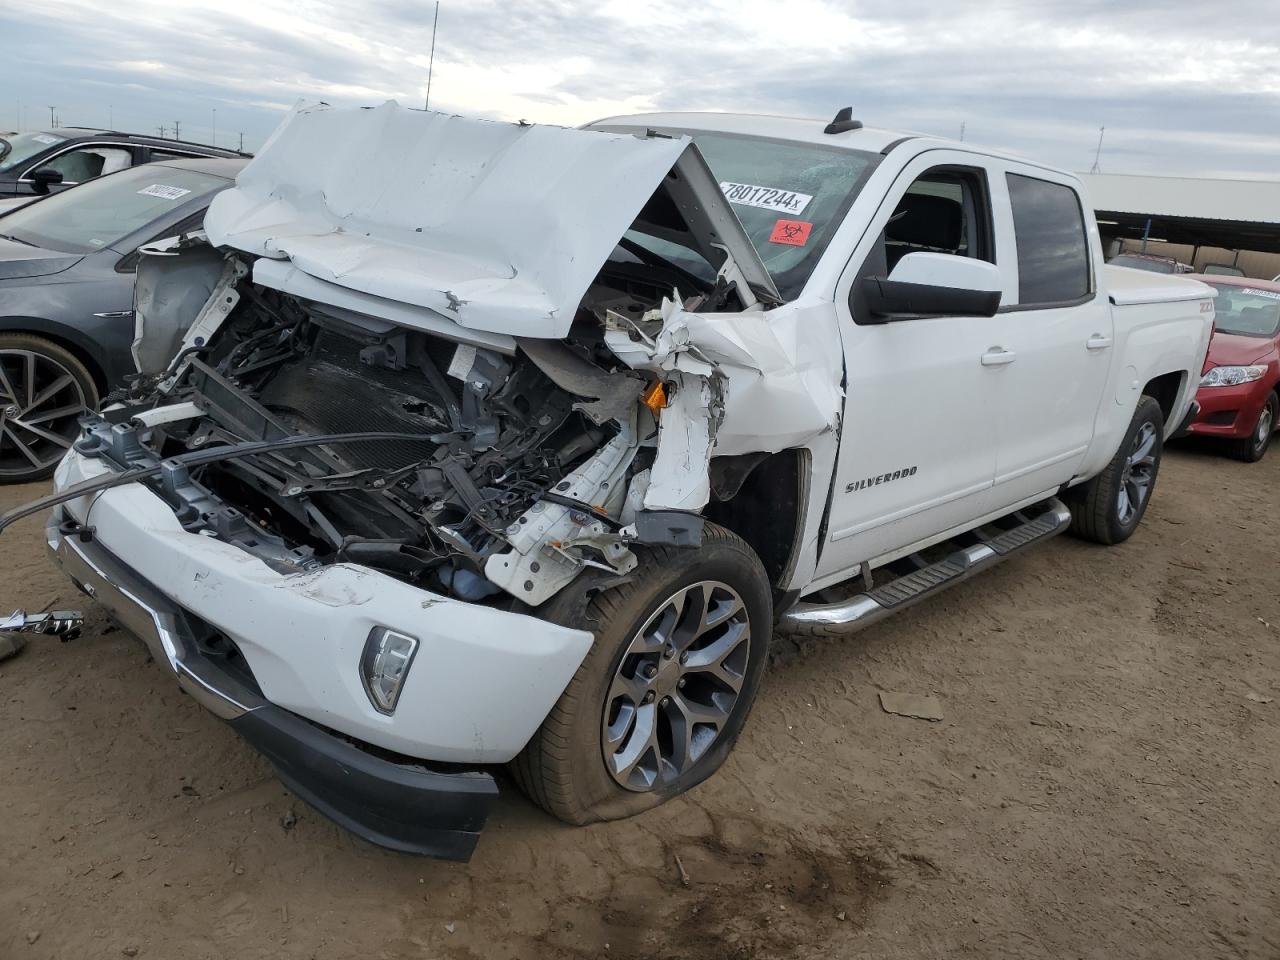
point(1231, 376)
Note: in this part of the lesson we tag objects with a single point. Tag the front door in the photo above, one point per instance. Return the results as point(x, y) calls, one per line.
point(920, 431)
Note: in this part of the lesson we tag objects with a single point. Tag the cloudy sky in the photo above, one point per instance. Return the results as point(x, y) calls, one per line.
point(1182, 88)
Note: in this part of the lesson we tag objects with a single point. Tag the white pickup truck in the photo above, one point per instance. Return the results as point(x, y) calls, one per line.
point(459, 443)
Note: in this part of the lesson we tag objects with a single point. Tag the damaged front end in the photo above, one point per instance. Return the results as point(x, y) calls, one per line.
point(508, 464)
point(371, 426)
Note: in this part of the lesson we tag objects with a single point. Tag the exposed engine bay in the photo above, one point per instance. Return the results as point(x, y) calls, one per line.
point(512, 471)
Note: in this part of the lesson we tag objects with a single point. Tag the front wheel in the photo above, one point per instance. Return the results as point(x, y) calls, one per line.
point(660, 699)
point(43, 392)
point(1253, 448)
point(1108, 508)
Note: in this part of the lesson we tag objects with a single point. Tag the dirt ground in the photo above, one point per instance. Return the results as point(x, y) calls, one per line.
point(1105, 784)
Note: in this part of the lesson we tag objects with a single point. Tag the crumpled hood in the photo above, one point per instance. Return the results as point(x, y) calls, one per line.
point(19, 261)
point(497, 226)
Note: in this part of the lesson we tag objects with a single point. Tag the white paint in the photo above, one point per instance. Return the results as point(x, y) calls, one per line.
point(948, 270)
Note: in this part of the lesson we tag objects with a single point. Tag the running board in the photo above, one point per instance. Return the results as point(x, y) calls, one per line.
point(867, 608)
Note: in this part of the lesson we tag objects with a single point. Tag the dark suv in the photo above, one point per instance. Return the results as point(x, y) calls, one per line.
point(46, 161)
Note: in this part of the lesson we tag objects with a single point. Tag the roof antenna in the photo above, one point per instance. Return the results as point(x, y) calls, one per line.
point(1098, 154)
point(843, 122)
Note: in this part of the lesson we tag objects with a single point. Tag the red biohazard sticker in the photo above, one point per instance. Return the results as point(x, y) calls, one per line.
point(794, 233)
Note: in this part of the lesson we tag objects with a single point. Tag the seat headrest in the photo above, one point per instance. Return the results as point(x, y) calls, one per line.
point(922, 220)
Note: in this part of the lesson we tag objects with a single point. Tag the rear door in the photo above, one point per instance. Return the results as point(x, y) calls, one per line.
point(920, 432)
point(1057, 330)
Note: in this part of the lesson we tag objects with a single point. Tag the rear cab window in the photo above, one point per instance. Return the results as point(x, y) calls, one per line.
point(1052, 243)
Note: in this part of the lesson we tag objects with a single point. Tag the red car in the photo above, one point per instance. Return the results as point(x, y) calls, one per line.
point(1239, 392)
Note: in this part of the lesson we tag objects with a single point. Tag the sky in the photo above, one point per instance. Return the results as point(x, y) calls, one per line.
point(1181, 88)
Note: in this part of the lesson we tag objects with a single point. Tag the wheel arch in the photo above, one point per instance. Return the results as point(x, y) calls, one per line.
point(71, 340)
point(763, 498)
point(1165, 390)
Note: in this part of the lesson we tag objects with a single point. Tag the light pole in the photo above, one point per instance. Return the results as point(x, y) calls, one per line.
point(52, 122)
point(431, 61)
point(214, 141)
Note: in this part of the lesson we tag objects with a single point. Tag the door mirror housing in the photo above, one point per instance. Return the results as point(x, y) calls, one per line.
point(934, 285)
point(44, 178)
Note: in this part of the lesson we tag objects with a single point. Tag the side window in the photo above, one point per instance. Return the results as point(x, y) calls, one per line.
point(1053, 249)
point(946, 210)
point(77, 166)
point(161, 155)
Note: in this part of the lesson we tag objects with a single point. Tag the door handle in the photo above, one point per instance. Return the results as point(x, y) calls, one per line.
point(1098, 342)
point(109, 314)
point(998, 357)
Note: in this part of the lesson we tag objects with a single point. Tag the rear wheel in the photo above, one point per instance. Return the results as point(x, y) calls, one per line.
point(43, 392)
point(1108, 508)
point(1253, 448)
point(660, 699)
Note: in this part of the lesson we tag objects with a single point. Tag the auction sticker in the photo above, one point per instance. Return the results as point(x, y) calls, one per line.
point(47, 138)
point(163, 192)
point(1261, 293)
point(766, 198)
point(794, 233)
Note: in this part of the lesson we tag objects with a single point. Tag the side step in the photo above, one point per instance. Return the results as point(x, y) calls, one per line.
point(864, 609)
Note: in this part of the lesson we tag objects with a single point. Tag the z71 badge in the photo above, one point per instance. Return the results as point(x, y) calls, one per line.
point(882, 478)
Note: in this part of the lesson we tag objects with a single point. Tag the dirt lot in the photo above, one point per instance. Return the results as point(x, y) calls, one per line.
point(1106, 783)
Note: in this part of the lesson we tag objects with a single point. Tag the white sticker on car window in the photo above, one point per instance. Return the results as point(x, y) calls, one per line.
point(95, 242)
point(766, 198)
point(163, 192)
point(47, 138)
point(1261, 293)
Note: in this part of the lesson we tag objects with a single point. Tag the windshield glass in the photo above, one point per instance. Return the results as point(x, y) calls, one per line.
point(1246, 311)
point(790, 198)
point(103, 211)
point(20, 147)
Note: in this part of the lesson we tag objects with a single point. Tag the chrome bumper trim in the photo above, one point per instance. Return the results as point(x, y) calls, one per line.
point(153, 618)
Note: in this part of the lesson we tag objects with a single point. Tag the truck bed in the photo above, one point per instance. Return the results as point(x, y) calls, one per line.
point(1127, 287)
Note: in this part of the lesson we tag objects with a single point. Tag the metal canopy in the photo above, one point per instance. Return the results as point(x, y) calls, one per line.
point(1232, 214)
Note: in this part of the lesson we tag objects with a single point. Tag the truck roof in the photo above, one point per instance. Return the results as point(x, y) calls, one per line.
point(803, 130)
point(800, 129)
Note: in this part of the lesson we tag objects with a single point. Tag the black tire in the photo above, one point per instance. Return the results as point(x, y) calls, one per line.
point(563, 767)
point(1096, 510)
point(1253, 448)
point(28, 450)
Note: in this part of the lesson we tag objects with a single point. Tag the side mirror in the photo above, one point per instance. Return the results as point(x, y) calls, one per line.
point(44, 178)
point(932, 285)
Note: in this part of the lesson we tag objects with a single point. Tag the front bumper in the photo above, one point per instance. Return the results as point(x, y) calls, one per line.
point(1229, 412)
point(483, 679)
point(400, 804)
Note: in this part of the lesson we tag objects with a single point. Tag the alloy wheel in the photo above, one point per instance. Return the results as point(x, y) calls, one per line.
point(676, 685)
point(1266, 423)
point(40, 404)
point(1138, 475)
